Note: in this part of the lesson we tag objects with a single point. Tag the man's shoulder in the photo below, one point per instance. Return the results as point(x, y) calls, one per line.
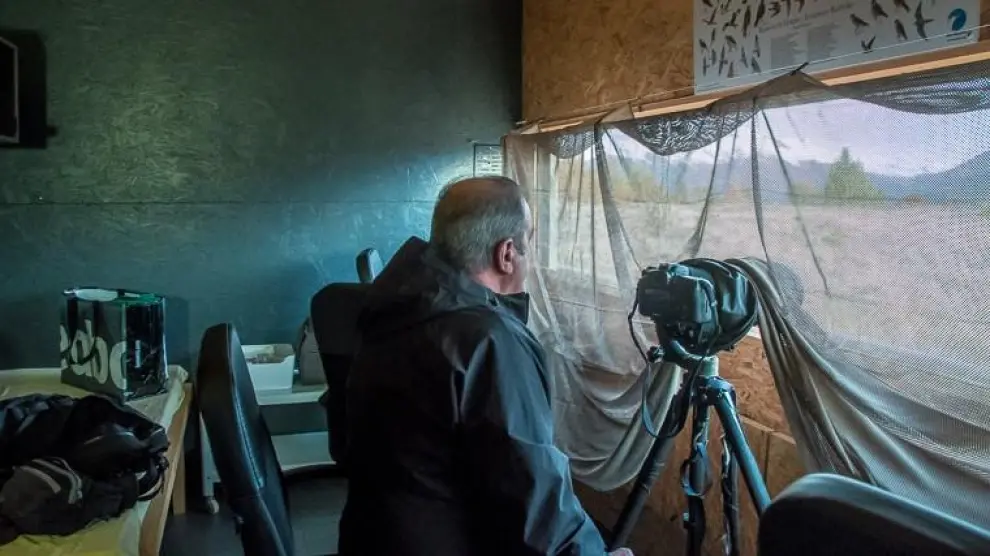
point(482, 323)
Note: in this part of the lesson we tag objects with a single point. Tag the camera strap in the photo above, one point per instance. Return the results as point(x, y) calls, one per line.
point(644, 405)
point(695, 520)
point(699, 457)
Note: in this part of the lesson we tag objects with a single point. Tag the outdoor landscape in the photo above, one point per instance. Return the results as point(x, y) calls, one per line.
point(637, 179)
point(885, 261)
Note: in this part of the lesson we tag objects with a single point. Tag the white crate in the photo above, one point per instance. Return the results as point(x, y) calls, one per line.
point(270, 366)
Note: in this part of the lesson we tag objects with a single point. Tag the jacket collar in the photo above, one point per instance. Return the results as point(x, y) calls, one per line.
point(516, 305)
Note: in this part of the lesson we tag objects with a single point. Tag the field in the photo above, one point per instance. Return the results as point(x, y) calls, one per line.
point(904, 281)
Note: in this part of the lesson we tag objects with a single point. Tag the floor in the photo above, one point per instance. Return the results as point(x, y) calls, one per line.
point(316, 505)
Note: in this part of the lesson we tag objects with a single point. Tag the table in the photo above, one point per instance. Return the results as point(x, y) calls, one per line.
point(138, 532)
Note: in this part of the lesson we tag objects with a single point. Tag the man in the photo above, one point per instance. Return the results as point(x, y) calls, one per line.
point(450, 435)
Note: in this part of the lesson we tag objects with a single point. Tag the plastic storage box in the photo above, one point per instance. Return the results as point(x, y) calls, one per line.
point(271, 366)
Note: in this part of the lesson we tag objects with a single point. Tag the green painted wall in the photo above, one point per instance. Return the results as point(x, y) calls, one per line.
point(237, 154)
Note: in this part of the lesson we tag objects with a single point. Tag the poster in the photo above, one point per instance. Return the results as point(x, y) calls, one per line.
point(487, 160)
point(743, 42)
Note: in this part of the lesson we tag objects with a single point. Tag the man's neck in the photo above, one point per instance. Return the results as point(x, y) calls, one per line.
point(489, 280)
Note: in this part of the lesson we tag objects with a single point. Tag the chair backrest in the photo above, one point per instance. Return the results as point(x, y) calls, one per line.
point(831, 514)
point(242, 446)
point(369, 264)
point(334, 312)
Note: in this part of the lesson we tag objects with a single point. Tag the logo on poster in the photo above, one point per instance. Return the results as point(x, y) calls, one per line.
point(957, 26)
point(957, 19)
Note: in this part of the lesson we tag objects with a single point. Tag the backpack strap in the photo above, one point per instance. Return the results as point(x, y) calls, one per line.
point(154, 478)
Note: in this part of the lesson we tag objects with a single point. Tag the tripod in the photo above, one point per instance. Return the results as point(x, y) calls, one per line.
point(702, 390)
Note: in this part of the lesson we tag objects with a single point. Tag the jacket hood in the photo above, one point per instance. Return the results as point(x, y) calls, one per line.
point(418, 285)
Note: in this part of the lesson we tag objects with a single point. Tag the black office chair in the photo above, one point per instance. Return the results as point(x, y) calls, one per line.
point(334, 312)
point(369, 265)
point(823, 514)
point(242, 446)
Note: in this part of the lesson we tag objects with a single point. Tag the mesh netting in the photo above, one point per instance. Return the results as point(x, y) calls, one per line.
point(870, 207)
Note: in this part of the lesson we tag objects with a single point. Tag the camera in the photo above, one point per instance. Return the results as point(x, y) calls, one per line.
point(704, 305)
point(682, 306)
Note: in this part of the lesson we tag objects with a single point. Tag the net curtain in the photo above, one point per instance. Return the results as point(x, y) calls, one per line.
point(862, 214)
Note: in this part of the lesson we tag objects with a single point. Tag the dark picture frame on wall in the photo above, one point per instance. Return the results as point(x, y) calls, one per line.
point(9, 111)
point(23, 90)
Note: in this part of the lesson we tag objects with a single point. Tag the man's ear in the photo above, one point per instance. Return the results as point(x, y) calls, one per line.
point(504, 262)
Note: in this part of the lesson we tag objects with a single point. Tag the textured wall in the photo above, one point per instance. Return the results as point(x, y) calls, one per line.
point(579, 54)
point(237, 154)
point(746, 367)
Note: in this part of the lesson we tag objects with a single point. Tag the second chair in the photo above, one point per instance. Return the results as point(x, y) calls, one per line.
point(242, 446)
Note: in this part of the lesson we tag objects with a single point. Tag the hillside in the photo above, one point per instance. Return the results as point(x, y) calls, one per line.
point(969, 181)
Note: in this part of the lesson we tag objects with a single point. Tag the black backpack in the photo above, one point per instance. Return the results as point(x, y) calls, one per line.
point(66, 462)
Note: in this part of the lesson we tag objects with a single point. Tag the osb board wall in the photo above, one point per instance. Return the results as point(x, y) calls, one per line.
point(581, 54)
point(659, 531)
point(585, 53)
point(746, 367)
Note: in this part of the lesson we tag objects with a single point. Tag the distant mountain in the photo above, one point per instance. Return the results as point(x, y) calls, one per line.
point(969, 181)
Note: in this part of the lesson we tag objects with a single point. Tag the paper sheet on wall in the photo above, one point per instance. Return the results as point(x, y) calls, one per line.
point(743, 42)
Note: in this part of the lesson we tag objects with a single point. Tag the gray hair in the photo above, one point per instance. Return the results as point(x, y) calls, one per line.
point(473, 215)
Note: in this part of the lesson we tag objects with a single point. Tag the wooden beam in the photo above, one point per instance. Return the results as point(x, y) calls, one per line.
point(905, 65)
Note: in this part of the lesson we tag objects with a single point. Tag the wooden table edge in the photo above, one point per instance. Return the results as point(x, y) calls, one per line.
point(153, 526)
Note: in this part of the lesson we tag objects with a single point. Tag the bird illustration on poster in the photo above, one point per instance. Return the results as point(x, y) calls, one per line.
point(749, 41)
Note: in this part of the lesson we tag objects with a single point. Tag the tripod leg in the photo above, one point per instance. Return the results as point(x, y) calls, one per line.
point(730, 499)
point(740, 448)
point(655, 461)
point(695, 480)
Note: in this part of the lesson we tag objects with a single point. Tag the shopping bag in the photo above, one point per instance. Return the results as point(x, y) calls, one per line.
point(112, 342)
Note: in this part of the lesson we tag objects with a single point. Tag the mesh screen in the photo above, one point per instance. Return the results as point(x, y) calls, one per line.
point(871, 205)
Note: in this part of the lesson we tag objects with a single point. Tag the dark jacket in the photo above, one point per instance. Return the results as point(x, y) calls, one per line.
point(66, 462)
point(450, 431)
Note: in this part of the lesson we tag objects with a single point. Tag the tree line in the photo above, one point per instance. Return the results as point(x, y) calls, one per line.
point(650, 181)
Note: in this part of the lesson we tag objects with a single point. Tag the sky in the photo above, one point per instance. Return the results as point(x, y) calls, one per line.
point(886, 141)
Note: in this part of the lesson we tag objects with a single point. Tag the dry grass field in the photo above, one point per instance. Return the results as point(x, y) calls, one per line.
point(912, 278)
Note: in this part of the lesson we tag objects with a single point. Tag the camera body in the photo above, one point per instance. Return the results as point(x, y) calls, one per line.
point(682, 304)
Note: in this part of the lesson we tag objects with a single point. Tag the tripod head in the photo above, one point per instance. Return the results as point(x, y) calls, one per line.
point(672, 351)
point(695, 366)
